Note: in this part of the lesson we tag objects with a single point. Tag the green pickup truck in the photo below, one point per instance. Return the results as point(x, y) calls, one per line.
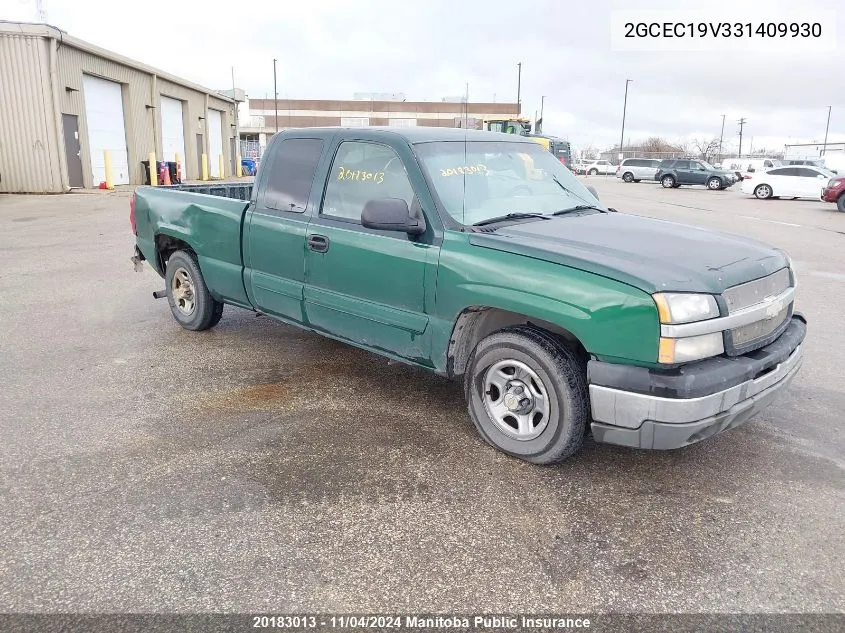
point(481, 257)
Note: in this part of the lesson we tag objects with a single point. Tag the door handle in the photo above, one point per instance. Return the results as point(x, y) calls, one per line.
point(318, 243)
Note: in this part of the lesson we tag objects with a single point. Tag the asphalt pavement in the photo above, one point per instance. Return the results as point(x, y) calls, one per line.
point(256, 467)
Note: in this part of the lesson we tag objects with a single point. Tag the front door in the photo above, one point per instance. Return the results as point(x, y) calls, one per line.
point(274, 260)
point(363, 285)
point(698, 173)
point(73, 150)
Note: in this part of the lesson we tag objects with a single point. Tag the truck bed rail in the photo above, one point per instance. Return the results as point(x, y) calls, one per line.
point(233, 190)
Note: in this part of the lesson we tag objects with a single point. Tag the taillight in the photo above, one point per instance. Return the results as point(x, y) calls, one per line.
point(618, 167)
point(746, 177)
point(132, 214)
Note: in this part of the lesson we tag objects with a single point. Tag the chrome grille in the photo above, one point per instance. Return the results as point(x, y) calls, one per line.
point(743, 335)
point(742, 339)
point(753, 292)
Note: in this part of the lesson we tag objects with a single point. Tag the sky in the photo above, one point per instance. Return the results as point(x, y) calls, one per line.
point(329, 49)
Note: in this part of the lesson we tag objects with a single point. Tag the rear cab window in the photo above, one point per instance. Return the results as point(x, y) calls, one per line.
point(291, 174)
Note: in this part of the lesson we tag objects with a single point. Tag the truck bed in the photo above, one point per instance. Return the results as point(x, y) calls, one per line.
point(211, 224)
point(233, 190)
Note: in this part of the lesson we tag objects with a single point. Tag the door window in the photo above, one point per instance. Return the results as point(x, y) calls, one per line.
point(292, 174)
point(362, 172)
point(804, 172)
point(681, 164)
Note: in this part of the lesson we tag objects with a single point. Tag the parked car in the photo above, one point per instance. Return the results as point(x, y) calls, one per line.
point(637, 169)
point(480, 257)
point(800, 181)
point(677, 172)
point(834, 191)
point(597, 167)
point(580, 167)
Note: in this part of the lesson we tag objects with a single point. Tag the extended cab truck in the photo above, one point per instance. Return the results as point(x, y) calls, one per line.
point(480, 256)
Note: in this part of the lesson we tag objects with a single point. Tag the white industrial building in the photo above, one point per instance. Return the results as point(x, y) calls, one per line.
point(64, 103)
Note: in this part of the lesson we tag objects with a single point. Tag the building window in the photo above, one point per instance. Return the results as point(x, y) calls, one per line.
point(354, 121)
point(402, 122)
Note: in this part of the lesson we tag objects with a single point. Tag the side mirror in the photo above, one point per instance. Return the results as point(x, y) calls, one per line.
point(391, 214)
point(593, 191)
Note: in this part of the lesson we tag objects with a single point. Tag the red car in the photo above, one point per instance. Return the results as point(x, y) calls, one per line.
point(834, 191)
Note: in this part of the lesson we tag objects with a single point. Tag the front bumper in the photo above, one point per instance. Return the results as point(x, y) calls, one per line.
point(831, 195)
point(665, 409)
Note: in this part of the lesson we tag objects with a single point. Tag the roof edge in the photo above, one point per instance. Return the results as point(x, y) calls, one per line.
point(53, 32)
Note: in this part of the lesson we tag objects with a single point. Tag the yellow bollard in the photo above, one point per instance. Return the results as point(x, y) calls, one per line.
point(222, 167)
point(178, 159)
point(153, 169)
point(238, 167)
point(109, 176)
point(205, 166)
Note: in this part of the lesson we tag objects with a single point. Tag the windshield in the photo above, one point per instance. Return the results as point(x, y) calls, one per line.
point(707, 165)
point(480, 180)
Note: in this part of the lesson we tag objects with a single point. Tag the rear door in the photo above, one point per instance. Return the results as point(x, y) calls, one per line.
point(363, 285)
point(682, 169)
point(274, 253)
point(781, 180)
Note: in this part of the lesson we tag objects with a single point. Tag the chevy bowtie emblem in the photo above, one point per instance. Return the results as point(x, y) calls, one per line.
point(773, 306)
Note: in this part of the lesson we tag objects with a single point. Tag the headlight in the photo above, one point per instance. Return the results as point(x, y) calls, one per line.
point(675, 308)
point(683, 350)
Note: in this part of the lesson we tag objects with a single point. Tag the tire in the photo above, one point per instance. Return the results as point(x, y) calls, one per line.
point(559, 376)
point(191, 303)
point(763, 192)
point(594, 172)
point(714, 184)
point(668, 182)
point(628, 176)
point(840, 203)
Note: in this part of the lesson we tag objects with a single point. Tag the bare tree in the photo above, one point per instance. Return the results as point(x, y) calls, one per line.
point(706, 148)
point(589, 152)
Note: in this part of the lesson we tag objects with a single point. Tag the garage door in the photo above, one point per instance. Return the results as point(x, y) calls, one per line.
point(215, 142)
point(106, 129)
point(173, 131)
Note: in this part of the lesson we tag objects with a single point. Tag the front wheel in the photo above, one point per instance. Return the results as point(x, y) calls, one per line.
point(527, 395)
point(628, 177)
point(840, 203)
point(668, 182)
point(191, 303)
point(714, 183)
point(594, 172)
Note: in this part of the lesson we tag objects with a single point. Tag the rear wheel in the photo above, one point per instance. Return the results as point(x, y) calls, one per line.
point(628, 176)
point(763, 192)
point(527, 394)
point(668, 182)
point(191, 303)
point(714, 183)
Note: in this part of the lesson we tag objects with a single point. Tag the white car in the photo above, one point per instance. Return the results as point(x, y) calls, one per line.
point(797, 181)
point(597, 167)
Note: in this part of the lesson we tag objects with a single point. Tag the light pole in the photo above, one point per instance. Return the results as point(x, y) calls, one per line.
point(624, 111)
point(539, 130)
point(721, 137)
point(518, 88)
point(826, 128)
point(275, 96)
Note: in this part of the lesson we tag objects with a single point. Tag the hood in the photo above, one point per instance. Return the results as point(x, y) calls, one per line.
point(652, 255)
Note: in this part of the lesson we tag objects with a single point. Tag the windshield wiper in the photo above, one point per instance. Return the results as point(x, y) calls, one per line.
point(579, 207)
point(511, 216)
point(575, 195)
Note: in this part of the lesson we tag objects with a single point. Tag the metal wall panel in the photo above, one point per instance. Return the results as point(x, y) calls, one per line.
point(29, 139)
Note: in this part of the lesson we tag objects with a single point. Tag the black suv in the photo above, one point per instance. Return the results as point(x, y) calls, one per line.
point(688, 171)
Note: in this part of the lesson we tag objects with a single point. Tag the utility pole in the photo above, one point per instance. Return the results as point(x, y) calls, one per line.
point(721, 137)
point(275, 96)
point(742, 123)
point(826, 128)
point(624, 111)
point(518, 88)
point(538, 125)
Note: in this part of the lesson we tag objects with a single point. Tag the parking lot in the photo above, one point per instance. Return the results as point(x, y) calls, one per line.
point(256, 467)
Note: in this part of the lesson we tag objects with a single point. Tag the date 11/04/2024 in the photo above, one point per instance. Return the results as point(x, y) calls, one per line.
point(723, 29)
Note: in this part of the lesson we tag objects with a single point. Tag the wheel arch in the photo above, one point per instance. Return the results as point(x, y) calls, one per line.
point(479, 321)
point(167, 243)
